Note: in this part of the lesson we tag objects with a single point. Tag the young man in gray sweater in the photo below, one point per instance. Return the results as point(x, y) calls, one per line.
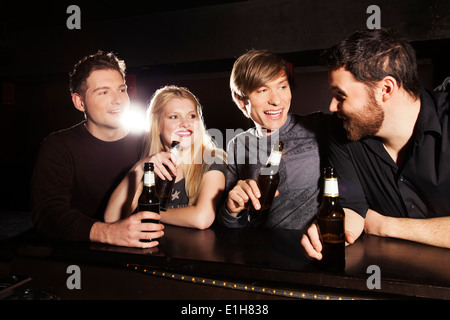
point(261, 87)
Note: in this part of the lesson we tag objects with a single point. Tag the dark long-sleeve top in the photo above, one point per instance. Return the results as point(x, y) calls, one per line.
point(74, 175)
point(419, 188)
point(304, 156)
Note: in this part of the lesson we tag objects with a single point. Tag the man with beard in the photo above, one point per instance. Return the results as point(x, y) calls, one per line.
point(392, 161)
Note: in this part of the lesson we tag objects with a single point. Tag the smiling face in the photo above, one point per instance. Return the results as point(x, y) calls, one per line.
point(268, 105)
point(179, 122)
point(104, 102)
point(355, 103)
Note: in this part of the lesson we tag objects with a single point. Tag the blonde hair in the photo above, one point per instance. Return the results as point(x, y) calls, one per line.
point(193, 171)
point(253, 70)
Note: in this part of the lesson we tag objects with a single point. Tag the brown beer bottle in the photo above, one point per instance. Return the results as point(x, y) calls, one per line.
point(330, 220)
point(148, 200)
point(164, 187)
point(268, 179)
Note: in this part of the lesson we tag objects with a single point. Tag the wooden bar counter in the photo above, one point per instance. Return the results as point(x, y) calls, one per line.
point(221, 263)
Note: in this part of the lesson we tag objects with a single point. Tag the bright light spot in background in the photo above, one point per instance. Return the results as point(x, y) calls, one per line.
point(134, 118)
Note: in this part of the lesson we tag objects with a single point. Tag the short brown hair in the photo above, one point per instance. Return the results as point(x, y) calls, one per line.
point(371, 55)
point(97, 61)
point(253, 70)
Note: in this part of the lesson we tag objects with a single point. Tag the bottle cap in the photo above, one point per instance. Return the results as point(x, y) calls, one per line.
point(175, 148)
point(175, 144)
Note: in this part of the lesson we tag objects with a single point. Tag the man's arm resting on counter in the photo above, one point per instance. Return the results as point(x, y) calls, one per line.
point(129, 231)
point(354, 225)
point(431, 231)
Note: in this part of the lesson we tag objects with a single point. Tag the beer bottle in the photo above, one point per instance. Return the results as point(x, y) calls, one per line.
point(148, 200)
point(164, 187)
point(267, 181)
point(330, 220)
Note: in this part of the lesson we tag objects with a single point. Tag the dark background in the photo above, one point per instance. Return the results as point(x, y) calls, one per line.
point(192, 44)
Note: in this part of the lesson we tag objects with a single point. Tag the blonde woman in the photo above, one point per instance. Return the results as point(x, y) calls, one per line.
point(175, 114)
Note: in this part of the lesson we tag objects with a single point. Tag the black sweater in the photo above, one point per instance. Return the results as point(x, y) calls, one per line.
point(74, 175)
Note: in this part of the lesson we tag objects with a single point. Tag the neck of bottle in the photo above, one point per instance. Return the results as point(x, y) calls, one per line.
point(274, 158)
point(175, 151)
point(331, 188)
point(149, 179)
point(174, 147)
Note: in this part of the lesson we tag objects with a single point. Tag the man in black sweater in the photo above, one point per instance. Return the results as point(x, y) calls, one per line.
point(78, 168)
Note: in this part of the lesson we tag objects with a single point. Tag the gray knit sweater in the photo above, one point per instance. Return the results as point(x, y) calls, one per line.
point(300, 185)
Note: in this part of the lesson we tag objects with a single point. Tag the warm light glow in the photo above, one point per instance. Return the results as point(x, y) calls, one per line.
point(134, 118)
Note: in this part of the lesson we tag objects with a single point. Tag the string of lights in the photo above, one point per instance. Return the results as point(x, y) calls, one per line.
point(295, 294)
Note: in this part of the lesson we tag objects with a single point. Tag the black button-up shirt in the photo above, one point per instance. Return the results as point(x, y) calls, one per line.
point(369, 178)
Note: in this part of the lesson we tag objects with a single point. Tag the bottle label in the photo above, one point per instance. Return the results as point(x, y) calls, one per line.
point(149, 179)
point(331, 188)
point(275, 158)
point(175, 151)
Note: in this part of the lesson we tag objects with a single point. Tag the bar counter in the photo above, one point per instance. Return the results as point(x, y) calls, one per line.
point(221, 263)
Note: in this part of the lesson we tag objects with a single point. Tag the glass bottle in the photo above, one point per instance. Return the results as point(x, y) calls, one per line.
point(267, 180)
point(330, 221)
point(148, 200)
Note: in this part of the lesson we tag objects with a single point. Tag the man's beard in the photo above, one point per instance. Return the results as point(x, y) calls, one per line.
point(364, 123)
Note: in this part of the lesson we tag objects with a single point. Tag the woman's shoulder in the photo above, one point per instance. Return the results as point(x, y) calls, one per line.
point(215, 160)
